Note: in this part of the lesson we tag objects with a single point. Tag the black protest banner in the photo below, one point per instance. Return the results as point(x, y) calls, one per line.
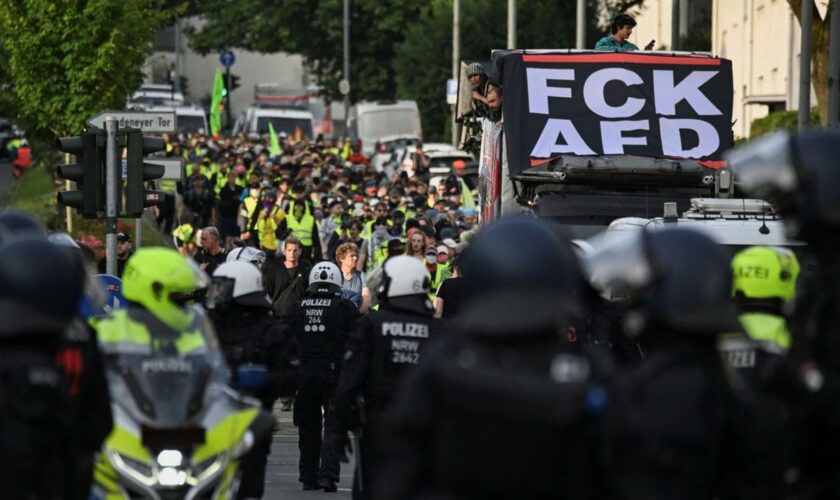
point(610, 103)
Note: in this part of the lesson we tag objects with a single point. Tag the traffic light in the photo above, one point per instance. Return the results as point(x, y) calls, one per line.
point(233, 84)
point(88, 173)
point(138, 173)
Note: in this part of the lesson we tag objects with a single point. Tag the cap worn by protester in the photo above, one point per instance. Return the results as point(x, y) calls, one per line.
point(395, 244)
point(466, 212)
point(447, 234)
point(428, 231)
point(449, 243)
point(475, 69)
point(123, 238)
point(442, 249)
point(431, 251)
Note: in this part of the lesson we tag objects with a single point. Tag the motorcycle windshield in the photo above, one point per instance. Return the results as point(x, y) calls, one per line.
point(163, 387)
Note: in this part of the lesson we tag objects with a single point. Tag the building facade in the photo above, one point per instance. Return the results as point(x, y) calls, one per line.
point(760, 37)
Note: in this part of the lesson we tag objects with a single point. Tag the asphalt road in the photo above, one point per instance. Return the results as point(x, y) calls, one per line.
point(282, 472)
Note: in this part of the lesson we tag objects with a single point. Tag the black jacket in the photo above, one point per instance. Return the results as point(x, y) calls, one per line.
point(320, 324)
point(252, 335)
point(448, 422)
point(381, 349)
point(284, 290)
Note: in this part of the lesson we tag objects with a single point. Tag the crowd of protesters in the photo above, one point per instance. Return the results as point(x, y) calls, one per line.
point(311, 201)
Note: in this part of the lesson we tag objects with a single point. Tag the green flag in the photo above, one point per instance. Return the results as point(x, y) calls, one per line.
point(467, 200)
point(274, 144)
point(216, 104)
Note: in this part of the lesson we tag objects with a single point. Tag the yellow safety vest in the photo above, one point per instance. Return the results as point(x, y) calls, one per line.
point(267, 227)
point(120, 333)
point(301, 229)
point(185, 233)
point(765, 327)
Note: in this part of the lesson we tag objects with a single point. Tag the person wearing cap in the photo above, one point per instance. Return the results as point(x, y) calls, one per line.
point(124, 251)
point(478, 80)
point(438, 270)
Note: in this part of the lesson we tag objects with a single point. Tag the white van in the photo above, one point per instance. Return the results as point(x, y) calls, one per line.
point(254, 121)
point(188, 119)
point(370, 121)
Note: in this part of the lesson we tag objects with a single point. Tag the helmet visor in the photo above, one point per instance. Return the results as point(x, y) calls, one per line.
point(764, 167)
point(220, 292)
point(617, 265)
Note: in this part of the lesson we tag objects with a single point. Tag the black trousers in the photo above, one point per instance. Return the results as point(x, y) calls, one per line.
point(318, 458)
point(252, 482)
point(370, 456)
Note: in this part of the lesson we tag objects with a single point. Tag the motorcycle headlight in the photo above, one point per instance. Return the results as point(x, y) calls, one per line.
point(170, 458)
point(170, 476)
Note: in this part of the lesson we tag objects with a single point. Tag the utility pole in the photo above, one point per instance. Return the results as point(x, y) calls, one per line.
point(511, 27)
point(675, 24)
point(456, 59)
point(346, 36)
point(228, 121)
point(807, 20)
point(580, 31)
point(112, 177)
point(834, 66)
point(178, 68)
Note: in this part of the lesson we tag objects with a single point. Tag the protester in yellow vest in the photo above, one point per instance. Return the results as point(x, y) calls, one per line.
point(302, 225)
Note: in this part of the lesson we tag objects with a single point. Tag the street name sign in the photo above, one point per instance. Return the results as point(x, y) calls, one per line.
point(158, 122)
point(174, 168)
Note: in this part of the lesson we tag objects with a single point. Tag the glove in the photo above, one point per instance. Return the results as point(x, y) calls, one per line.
point(342, 446)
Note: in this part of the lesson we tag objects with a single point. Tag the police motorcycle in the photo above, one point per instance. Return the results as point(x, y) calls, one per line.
point(179, 430)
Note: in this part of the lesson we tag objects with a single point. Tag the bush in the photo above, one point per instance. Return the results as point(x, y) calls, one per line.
point(779, 119)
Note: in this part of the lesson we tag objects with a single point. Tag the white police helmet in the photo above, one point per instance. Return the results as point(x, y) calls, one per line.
point(403, 276)
point(325, 273)
point(237, 281)
point(247, 254)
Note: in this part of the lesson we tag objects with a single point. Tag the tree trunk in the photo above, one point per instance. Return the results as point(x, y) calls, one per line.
point(819, 55)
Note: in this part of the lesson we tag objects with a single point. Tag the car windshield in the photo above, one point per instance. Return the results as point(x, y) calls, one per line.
point(160, 386)
point(376, 124)
point(290, 126)
point(191, 123)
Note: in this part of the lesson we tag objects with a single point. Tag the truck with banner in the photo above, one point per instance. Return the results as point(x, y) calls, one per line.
point(588, 137)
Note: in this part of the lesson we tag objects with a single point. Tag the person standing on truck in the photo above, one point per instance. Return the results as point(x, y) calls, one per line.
point(621, 28)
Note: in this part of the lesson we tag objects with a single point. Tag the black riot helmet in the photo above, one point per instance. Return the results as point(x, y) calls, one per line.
point(41, 285)
point(15, 224)
point(521, 273)
point(798, 173)
point(675, 281)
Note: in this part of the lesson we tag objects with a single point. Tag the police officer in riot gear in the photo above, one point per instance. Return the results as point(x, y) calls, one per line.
point(764, 285)
point(798, 174)
point(380, 350)
point(262, 359)
point(502, 406)
point(78, 355)
point(320, 322)
point(40, 288)
point(672, 426)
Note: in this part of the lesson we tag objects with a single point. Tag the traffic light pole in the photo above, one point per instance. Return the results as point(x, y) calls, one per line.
point(227, 97)
point(112, 176)
point(68, 212)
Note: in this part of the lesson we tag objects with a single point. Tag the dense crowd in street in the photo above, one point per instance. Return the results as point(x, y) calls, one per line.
point(325, 197)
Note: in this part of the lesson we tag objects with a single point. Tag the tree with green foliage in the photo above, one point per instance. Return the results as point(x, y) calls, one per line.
point(313, 29)
point(423, 60)
point(68, 60)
